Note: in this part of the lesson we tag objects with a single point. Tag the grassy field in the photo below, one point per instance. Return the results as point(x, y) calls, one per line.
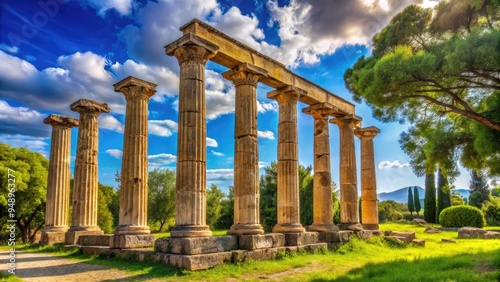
point(373, 260)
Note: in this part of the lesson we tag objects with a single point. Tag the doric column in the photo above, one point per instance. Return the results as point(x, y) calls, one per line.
point(288, 160)
point(349, 212)
point(84, 217)
point(369, 206)
point(57, 204)
point(322, 189)
point(192, 53)
point(246, 152)
point(134, 176)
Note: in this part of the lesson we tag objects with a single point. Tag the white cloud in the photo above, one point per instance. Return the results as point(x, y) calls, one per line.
point(37, 144)
point(265, 134)
point(9, 49)
point(262, 164)
point(219, 154)
point(123, 7)
point(161, 160)
point(162, 128)
point(116, 153)
point(18, 120)
point(263, 107)
point(212, 142)
point(110, 122)
point(392, 165)
point(221, 174)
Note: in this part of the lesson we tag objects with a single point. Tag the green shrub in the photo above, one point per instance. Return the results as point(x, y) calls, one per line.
point(491, 210)
point(460, 216)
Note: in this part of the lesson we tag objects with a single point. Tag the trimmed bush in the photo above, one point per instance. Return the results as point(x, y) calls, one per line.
point(460, 216)
point(491, 210)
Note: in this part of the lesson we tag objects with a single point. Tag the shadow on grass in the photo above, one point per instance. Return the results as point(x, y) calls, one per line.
point(483, 266)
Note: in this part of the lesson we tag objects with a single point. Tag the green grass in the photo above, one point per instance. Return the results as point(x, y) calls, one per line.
point(358, 260)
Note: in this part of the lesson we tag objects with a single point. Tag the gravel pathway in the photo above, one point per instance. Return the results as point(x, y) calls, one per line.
point(46, 267)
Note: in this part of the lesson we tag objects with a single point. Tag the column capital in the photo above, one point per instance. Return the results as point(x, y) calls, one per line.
point(134, 87)
point(287, 93)
point(59, 120)
point(89, 106)
point(191, 48)
point(320, 110)
point(367, 132)
point(245, 74)
point(354, 119)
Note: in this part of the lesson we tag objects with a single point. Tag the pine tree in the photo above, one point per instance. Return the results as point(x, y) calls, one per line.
point(411, 205)
point(479, 192)
point(430, 198)
point(416, 201)
point(443, 194)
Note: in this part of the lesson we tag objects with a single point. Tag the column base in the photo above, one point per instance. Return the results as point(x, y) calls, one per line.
point(246, 229)
point(53, 235)
point(186, 231)
point(353, 226)
point(288, 228)
point(371, 226)
point(323, 227)
point(126, 229)
point(73, 237)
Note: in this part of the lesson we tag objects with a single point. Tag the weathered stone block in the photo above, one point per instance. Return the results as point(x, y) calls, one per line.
point(418, 242)
point(298, 239)
point(396, 239)
point(364, 234)
point(409, 235)
point(471, 232)
point(51, 238)
point(252, 242)
point(73, 237)
point(95, 240)
point(201, 261)
point(491, 235)
point(430, 229)
point(445, 240)
point(194, 246)
point(131, 241)
point(92, 250)
point(311, 248)
point(335, 236)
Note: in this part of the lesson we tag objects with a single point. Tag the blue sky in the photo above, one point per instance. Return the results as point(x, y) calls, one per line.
point(54, 52)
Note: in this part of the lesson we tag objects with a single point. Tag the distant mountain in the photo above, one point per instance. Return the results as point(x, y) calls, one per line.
point(401, 195)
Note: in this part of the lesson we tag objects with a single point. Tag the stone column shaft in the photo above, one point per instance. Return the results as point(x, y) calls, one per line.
point(134, 176)
point(349, 212)
point(84, 217)
point(322, 185)
point(246, 155)
point(57, 204)
point(190, 214)
point(369, 205)
point(288, 161)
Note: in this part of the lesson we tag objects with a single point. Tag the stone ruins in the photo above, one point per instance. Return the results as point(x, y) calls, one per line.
point(191, 244)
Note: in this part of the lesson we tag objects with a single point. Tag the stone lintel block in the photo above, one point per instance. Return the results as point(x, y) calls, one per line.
point(95, 240)
point(134, 81)
point(200, 261)
point(299, 239)
point(194, 246)
point(131, 241)
point(409, 235)
point(51, 238)
point(252, 242)
point(289, 90)
point(73, 237)
point(335, 236)
point(190, 39)
point(84, 103)
point(245, 67)
point(55, 120)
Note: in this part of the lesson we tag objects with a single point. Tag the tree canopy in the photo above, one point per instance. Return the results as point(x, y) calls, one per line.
point(161, 197)
point(439, 69)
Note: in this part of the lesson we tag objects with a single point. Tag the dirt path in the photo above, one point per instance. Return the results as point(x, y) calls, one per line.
point(46, 267)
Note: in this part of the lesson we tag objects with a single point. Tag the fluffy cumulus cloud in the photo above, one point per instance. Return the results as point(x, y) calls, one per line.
point(16, 120)
point(220, 175)
point(111, 123)
point(37, 144)
point(265, 134)
point(116, 153)
point(212, 142)
point(162, 128)
point(161, 160)
point(123, 7)
point(392, 165)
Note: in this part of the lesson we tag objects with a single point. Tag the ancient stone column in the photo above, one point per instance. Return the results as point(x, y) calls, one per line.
point(349, 212)
point(57, 204)
point(288, 161)
point(369, 206)
point(192, 54)
point(246, 152)
point(134, 176)
point(84, 217)
point(322, 189)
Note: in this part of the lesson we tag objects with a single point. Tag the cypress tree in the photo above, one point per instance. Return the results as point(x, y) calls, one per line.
point(430, 198)
point(443, 194)
point(416, 201)
point(411, 205)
